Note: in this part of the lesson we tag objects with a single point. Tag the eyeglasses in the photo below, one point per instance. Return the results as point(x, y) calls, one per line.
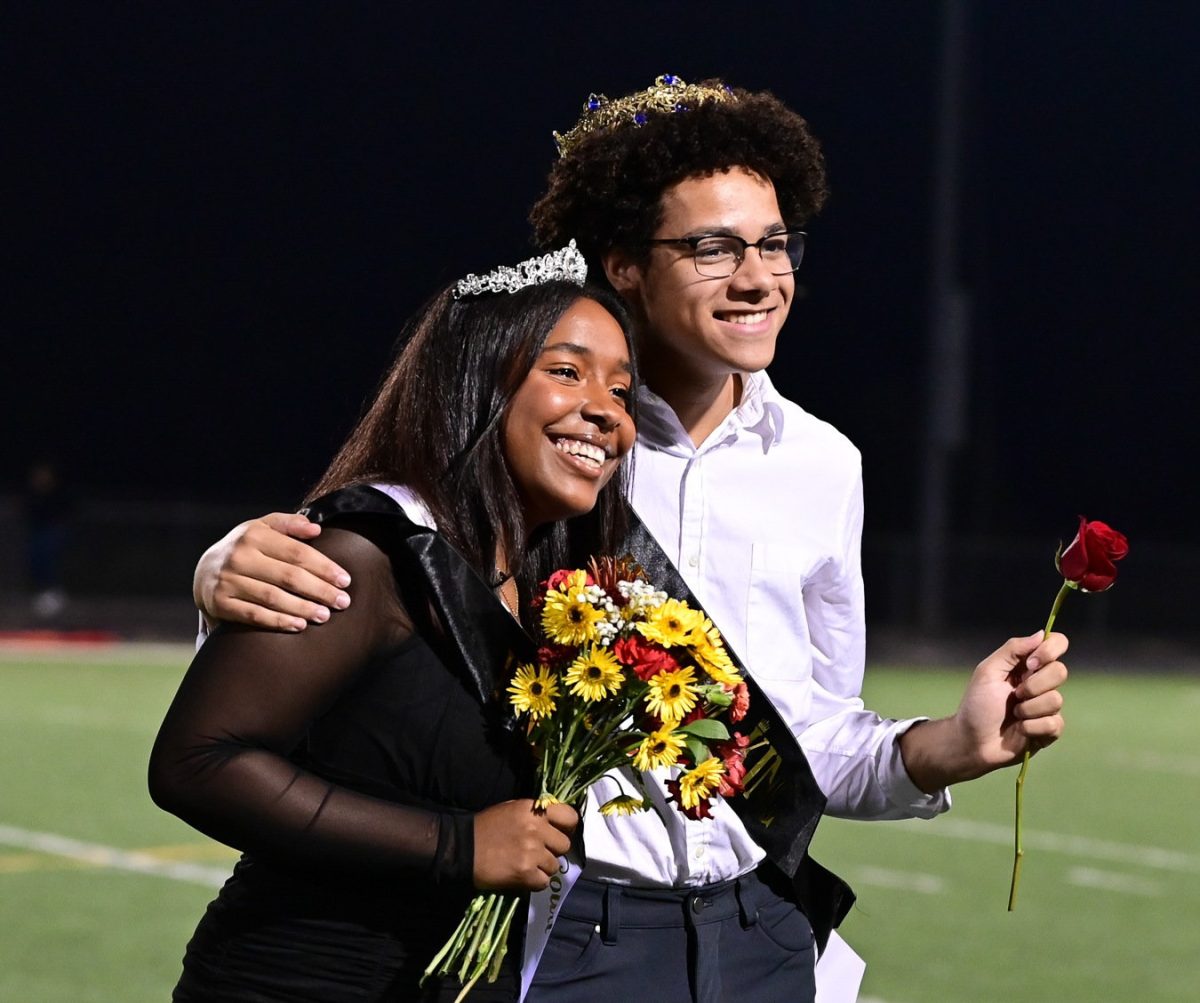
point(719, 256)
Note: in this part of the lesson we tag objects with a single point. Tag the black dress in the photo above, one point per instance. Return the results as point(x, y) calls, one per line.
point(346, 762)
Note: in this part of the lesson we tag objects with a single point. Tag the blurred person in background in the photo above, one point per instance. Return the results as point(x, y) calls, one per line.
point(47, 508)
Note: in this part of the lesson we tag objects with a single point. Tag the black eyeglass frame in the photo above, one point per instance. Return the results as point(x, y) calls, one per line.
point(694, 244)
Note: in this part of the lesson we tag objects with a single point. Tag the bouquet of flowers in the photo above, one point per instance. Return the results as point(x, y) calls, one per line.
point(625, 676)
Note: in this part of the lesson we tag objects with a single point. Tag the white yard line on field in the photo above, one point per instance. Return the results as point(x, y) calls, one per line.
point(98, 855)
point(1154, 762)
point(1090, 877)
point(1075, 846)
point(909, 881)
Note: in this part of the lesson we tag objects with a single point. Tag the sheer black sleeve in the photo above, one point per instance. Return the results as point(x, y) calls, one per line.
point(220, 760)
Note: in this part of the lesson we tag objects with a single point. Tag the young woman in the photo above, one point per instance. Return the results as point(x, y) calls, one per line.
point(364, 767)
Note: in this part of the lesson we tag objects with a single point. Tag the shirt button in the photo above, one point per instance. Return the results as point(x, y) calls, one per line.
point(693, 560)
point(698, 853)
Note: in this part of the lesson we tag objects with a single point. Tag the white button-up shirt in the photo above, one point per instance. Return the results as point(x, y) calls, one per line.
point(763, 521)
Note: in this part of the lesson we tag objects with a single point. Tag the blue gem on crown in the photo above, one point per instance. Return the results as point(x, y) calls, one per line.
point(668, 94)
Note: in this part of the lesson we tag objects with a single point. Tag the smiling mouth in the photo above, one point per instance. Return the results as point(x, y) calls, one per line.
point(747, 319)
point(587, 452)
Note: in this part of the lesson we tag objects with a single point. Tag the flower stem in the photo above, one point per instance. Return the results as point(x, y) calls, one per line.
point(1018, 849)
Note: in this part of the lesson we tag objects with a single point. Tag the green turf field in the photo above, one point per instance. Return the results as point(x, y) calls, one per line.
point(99, 890)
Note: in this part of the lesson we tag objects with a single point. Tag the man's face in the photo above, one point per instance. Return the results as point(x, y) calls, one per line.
point(695, 329)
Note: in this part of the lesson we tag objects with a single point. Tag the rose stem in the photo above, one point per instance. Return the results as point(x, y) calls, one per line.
point(1018, 850)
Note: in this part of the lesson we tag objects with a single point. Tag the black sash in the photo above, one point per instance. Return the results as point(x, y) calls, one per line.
point(469, 629)
point(780, 815)
point(479, 636)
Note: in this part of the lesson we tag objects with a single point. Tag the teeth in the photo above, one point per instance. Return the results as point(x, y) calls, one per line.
point(584, 450)
point(744, 318)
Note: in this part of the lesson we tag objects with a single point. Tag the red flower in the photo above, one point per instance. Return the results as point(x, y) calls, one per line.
point(1088, 560)
point(646, 658)
point(733, 753)
point(741, 702)
point(701, 809)
point(556, 656)
point(561, 575)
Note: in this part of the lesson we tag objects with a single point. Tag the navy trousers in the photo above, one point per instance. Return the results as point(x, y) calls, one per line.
point(737, 940)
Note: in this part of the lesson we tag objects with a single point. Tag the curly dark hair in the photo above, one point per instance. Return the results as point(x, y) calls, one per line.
point(607, 190)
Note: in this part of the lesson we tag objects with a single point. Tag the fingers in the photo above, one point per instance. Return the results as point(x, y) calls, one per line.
point(563, 817)
point(1037, 701)
point(1047, 678)
point(238, 611)
point(518, 848)
point(1042, 731)
point(1045, 705)
point(1019, 657)
point(1015, 650)
point(259, 539)
point(1050, 649)
point(284, 586)
point(260, 565)
point(293, 524)
point(239, 599)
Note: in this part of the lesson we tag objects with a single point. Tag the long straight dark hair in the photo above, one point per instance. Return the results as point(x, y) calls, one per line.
point(435, 426)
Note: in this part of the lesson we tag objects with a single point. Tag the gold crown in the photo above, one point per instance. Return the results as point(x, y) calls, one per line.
point(668, 94)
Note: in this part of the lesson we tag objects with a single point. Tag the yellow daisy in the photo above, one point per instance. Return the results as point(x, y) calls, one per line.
point(709, 651)
point(623, 804)
point(671, 623)
point(672, 694)
point(659, 748)
point(544, 802)
point(701, 782)
point(533, 690)
point(567, 619)
point(594, 674)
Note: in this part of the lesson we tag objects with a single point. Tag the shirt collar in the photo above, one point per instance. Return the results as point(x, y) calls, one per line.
point(759, 413)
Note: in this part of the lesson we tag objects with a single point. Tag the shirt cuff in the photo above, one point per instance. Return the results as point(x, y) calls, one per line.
point(898, 785)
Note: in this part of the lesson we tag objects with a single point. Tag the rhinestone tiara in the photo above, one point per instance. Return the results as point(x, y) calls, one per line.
point(564, 265)
point(668, 93)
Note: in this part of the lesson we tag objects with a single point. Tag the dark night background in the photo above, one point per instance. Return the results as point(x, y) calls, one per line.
point(220, 215)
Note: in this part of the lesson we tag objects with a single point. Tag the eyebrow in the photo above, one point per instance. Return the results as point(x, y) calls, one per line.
point(726, 231)
point(571, 348)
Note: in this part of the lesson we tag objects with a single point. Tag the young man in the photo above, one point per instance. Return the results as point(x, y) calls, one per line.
point(689, 199)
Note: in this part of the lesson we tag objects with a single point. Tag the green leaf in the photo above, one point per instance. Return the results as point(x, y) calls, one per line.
point(706, 728)
point(697, 750)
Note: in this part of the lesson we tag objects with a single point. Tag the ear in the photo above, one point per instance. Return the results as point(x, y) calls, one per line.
point(622, 271)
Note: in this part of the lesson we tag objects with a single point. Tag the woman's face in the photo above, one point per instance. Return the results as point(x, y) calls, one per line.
point(567, 427)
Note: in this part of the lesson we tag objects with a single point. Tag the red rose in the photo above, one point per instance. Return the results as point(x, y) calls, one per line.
point(646, 658)
point(1088, 560)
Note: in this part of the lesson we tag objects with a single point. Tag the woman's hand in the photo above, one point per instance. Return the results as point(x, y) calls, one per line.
point(261, 574)
point(517, 848)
